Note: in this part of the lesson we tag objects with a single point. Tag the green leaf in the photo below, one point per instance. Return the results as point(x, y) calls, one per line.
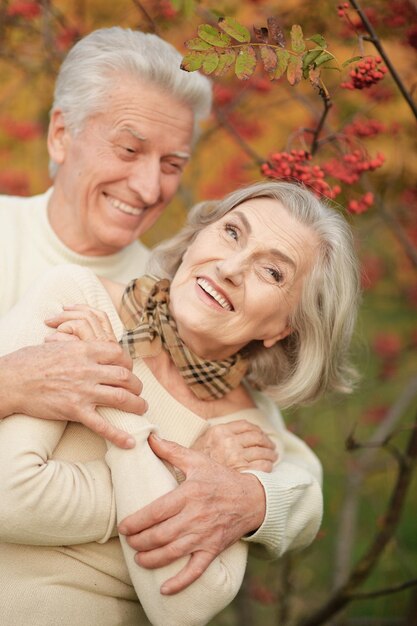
point(283, 56)
point(197, 44)
point(276, 34)
point(192, 61)
point(234, 29)
point(352, 60)
point(226, 60)
point(245, 63)
point(212, 36)
point(295, 70)
point(297, 39)
point(269, 58)
point(210, 62)
point(323, 58)
point(310, 57)
point(319, 40)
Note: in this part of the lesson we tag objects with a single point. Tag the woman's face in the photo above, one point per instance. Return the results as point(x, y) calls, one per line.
point(241, 278)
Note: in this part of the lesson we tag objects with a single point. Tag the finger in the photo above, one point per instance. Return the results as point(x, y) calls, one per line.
point(182, 458)
point(261, 466)
point(110, 353)
point(60, 337)
point(119, 398)
point(159, 510)
point(242, 426)
point(81, 329)
point(100, 426)
point(85, 324)
point(117, 376)
point(257, 453)
point(100, 317)
point(195, 567)
point(250, 439)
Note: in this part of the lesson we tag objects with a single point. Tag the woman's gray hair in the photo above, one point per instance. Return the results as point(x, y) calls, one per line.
point(88, 74)
point(314, 358)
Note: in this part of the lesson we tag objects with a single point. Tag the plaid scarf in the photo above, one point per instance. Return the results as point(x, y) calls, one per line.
point(149, 327)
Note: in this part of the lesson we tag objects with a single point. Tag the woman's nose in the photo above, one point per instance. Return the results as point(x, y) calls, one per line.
point(232, 268)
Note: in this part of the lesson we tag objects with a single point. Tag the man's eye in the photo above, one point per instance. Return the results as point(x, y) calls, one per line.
point(172, 167)
point(129, 150)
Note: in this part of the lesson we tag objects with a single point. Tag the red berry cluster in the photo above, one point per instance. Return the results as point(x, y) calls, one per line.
point(295, 165)
point(367, 72)
point(341, 8)
point(353, 164)
point(24, 8)
point(361, 205)
point(365, 128)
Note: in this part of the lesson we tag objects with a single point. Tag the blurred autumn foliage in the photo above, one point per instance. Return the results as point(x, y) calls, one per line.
point(347, 131)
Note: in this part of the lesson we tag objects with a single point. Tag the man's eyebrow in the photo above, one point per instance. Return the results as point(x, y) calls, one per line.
point(133, 132)
point(273, 251)
point(179, 155)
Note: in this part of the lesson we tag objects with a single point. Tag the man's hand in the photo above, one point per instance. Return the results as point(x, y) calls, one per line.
point(214, 507)
point(67, 381)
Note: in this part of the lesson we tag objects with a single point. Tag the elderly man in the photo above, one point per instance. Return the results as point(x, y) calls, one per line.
point(121, 131)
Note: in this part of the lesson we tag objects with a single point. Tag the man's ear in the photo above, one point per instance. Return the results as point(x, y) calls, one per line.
point(268, 343)
point(58, 136)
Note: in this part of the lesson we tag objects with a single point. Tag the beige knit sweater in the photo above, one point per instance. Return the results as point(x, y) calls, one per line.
point(54, 492)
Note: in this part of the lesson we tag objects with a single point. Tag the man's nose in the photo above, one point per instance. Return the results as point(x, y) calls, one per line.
point(232, 268)
point(145, 180)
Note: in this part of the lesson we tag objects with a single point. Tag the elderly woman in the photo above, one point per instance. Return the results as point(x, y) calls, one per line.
point(258, 291)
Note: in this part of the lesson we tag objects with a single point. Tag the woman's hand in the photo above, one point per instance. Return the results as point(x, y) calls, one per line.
point(239, 445)
point(80, 321)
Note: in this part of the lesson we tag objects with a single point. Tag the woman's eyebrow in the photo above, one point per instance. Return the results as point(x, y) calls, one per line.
point(273, 251)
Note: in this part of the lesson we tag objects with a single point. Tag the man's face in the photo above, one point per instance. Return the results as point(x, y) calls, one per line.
point(118, 174)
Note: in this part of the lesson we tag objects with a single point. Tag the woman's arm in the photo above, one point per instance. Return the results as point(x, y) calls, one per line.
point(139, 477)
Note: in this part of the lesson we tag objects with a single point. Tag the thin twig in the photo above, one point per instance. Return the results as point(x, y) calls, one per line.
point(385, 592)
point(327, 105)
point(223, 121)
point(360, 573)
point(149, 19)
point(373, 38)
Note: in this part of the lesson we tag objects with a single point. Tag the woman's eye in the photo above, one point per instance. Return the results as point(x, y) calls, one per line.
point(276, 274)
point(231, 231)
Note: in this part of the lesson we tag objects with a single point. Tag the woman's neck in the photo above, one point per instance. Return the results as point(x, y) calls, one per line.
point(167, 374)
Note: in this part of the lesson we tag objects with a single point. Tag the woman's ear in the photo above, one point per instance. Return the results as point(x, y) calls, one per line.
point(58, 135)
point(271, 341)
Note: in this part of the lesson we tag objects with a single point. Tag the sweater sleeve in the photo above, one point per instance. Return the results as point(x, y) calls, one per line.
point(139, 477)
point(294, 500)
point(45, 501)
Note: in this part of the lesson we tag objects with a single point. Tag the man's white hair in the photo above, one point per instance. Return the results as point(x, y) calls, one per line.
point(88, 74)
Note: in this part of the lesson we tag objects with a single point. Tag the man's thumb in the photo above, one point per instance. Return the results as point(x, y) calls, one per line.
point(176, 455)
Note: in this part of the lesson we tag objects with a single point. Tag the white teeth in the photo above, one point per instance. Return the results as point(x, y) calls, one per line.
point(122, 206)
point(204, 284)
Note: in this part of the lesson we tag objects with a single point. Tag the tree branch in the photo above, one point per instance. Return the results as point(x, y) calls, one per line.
point(385, 592)
point(345, 593)
point(373, 37)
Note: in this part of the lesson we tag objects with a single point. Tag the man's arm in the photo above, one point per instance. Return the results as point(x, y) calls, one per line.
point(282, 509)
point(68, 381)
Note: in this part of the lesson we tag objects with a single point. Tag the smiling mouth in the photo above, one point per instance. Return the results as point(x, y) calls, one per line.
point(124, 207)
point(213, 293)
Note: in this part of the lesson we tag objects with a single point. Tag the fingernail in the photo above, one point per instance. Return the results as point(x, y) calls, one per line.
point(131, 442)
point(155, 436)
